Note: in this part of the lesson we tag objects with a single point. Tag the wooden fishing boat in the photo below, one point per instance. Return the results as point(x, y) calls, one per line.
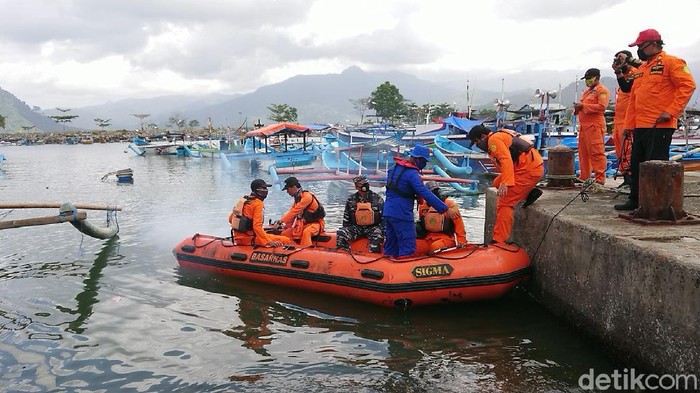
point(475, 272)
point(274, 143)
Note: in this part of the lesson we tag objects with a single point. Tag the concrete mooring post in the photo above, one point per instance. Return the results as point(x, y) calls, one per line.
point(660, 195)
point(560, 167)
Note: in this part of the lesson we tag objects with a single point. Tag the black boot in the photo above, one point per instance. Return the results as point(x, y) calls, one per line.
point(532, 197)
point(625, 181)
point(631, 204)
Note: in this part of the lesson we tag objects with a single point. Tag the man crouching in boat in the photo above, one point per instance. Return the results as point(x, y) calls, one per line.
point(440, 231)
point(520, 166)
point(248, 216)
point(362, 217)
point(403, 185)
point(305, 218)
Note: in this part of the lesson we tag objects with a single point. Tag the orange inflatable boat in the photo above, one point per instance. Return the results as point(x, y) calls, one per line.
point(454, 275)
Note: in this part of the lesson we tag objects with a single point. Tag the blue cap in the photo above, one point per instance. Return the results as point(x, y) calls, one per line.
point(420, 151)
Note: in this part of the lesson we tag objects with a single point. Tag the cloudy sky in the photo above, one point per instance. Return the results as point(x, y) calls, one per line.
point(74, 53)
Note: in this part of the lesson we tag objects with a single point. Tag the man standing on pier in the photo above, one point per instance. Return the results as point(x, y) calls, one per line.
point(591, 114)
point(662, 88)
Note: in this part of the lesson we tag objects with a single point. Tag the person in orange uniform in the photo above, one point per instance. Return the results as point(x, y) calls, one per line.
point(624, 66)
point(441, 231)
point(248, 216)
point(662, 88)
point(520, 167)
point(305, 218)
point(591, 114)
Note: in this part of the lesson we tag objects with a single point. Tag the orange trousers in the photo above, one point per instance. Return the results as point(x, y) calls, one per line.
point(623, 148)
point(303, 232)
point(524, 183)
point(433, 242)
point(591, 153)
point(246, 239)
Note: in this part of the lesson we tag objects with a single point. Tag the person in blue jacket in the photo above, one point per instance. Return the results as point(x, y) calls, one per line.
point(403, 186)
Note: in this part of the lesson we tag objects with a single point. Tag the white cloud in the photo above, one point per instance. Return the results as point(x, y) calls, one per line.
point(79, 52)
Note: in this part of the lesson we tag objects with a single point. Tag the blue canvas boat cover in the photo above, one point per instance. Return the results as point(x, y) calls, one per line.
point(461, 123)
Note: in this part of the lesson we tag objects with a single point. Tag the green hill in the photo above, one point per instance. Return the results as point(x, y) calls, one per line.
point(18, 114)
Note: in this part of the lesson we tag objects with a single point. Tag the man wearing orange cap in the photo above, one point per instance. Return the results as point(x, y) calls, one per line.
point(520, 167)
point(590, 110)
point(662, 88)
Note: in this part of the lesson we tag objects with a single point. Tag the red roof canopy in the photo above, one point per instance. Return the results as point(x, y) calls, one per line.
point(279, 128)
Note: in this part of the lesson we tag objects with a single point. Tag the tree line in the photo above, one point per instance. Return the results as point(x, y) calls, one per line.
point(387, 102)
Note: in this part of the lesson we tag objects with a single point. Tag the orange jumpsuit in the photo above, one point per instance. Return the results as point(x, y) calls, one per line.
point(591, 149)
point(520, 178)
point(254, 209)
point(297, 227)
point(623, 146)
point(437, 240)
point(662, 84)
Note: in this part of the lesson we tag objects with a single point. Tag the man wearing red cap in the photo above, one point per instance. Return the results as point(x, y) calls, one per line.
point(662, 88)
point(591, 113)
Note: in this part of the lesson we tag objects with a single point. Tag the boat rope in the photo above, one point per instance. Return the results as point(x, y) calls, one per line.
point(74, 214)
point(455, 258)
point(584, 197)
point(221, 239)
point(363, 262)
point(623, 154)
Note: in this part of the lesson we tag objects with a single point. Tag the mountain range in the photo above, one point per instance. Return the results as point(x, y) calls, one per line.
point(317, 98)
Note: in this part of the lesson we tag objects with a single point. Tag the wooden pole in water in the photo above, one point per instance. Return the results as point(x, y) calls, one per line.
point(79, 216)
point(50, 205)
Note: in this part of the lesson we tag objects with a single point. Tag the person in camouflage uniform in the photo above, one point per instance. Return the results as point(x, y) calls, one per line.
point(362, 218)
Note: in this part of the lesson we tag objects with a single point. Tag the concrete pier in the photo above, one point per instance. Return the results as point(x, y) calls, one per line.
point(635, 288)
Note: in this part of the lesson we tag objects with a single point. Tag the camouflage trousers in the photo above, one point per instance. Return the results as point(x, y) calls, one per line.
point(374, 233)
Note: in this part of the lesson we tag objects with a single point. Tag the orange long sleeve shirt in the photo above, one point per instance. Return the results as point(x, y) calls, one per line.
point(255, 210)
point(662, 84)
point(306, 200)
point(499, 144)
point(622, 100)
point(595, 101)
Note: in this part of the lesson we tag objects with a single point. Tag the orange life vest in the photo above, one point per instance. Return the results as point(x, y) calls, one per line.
point(437, 223)
point(239, 222)
point(364, 214)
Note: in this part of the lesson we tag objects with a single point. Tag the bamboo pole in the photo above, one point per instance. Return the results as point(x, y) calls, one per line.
point(79, 216)
point(49, 205)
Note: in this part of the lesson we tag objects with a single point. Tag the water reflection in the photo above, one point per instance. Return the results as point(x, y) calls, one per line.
point(124, 318)
point(87, 298)
point(449, 348)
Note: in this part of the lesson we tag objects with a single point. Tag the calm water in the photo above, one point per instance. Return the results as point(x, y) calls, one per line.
point(82, 314)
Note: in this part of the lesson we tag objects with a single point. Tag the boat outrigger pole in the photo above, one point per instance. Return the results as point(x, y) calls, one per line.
point(67, 213)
